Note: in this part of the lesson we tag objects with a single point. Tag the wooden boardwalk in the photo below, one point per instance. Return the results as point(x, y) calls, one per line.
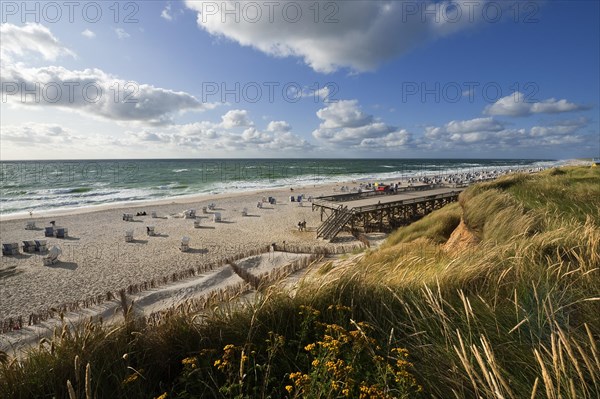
point(378, 211)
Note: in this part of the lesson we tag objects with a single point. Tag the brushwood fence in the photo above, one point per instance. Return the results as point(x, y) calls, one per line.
point(17, 323)
point(227, 294)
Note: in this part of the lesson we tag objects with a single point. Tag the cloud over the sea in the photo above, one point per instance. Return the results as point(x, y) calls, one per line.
point(359, 35)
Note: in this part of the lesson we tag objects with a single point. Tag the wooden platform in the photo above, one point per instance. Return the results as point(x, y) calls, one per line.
point(378, 211)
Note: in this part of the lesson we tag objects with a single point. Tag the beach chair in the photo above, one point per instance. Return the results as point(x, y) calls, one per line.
point(212, 206)
point(52, 257)
point(129, 236)
point(40, 246)
point(292, 198)
point(264, 199)
point(61, 232)
point(29, 246)
point(204, 210)
point(128, 217)
point(154, 215)
point(245, 212)
point(185, 244)
point(30, 225)
point(10, 249)
point(259, 205)
point(217, 217)
point(150, 231)
point(49, 231)
point(273, 201)
point(190, 214)
point(197, 223)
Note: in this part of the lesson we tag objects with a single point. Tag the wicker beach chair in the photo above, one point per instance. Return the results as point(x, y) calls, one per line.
point(52, 257)
point(245, 212)
point(197, 223)
point(29, 246)
point(40, 246)
point(217, 217)
point(10, 249)
point(129, 236)
point(49, 231)
point(185, 244)
point(61, 232)
point(189, 214)
point(150, 231)
point(30, 225)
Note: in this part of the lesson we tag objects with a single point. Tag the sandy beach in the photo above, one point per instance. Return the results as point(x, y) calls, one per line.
point(96, 259)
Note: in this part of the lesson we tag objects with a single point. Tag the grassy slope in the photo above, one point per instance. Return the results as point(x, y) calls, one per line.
point(515, 316)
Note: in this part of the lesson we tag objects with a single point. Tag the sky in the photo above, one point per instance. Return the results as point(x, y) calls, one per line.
point(299, 79)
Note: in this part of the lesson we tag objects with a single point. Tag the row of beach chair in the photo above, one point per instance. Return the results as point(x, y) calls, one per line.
point(128, 217)
point(32, 246)
point(29, 246)
point(50, 231)
point(185, 241)
point(58, 232)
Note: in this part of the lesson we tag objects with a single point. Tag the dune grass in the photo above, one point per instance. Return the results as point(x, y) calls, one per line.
point(516, 315)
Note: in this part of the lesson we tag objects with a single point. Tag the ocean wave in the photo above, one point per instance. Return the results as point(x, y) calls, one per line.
point(19, 200)
point(80, 190)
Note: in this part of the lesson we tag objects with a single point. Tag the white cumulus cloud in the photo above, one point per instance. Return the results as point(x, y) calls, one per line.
point(122, 33)
point(166, 12)
point(88, 33)
point(345, 124)
point(359, 35)
point(30, 38)
point(96, 93)
point(516, 104)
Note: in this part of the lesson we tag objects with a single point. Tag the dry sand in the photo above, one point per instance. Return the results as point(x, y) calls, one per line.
point(96, 259)
point(153, 300)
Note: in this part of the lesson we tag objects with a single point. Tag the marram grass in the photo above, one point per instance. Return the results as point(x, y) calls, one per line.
point(514, 313)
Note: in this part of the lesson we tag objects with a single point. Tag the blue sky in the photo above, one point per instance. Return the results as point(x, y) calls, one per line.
point(480, 79)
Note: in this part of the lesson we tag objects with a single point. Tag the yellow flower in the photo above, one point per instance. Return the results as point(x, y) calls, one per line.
point(315, 363)
point(130, 379)
point(309, 347)
point(163, 396)
point(189, 360)
point(289, 388)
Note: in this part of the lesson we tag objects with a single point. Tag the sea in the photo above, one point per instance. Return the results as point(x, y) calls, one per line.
point(33, 186)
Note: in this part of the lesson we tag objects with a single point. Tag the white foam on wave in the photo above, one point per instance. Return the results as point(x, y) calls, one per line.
point(63, 198)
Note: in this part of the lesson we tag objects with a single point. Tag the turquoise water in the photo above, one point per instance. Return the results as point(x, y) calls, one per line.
point(48, 185)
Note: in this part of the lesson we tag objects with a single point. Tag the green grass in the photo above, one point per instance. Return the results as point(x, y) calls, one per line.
point(436, 227)
point(516, 315)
